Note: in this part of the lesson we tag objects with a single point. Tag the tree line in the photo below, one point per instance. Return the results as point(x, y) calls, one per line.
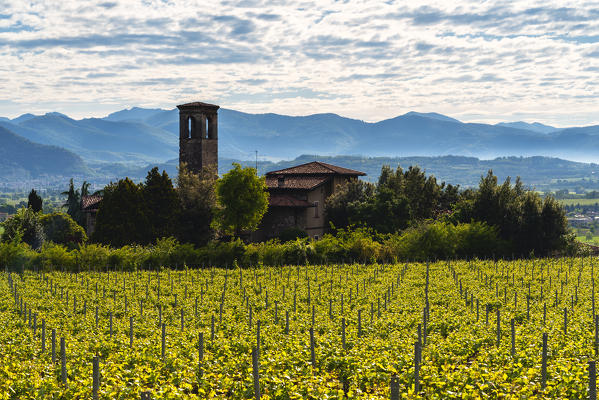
point(526, 223)
point(493, 219)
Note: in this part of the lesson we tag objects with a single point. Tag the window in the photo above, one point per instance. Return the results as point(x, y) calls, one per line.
point(315, 237)
point(315, 209)
point(207, 128)
point(189, 127)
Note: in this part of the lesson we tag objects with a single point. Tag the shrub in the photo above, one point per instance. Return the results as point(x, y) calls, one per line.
point(91, 257)
point(60, 228)
point(290, 234)
point(55, 256)
point(25, 226)
point(16, 256)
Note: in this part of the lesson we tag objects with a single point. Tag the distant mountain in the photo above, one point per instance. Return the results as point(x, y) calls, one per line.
point(139, 136)
point(425, 134)
point(98, 139)
point(133, 114)
point(20, 159)
point(23, 118)
point(432, 115)
point(535, 126)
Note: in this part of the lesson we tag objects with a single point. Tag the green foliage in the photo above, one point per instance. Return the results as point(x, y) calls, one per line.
point(26, 226)
point(442, 240)
point(292, 234)
point(161, 204)
point(197, 202)
point(343, 207)
point(528, 223)
point(122, 217)
point(61, 229)
point(73, 201)
point(54, 256)
point(91, 257)
point(34, 201)
point(461, 358)
point(400, 199)
point(15, 255)
point(242, 199)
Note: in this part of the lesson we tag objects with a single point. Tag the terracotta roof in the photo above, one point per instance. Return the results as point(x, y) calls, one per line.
point(294, 182)
point(198, 104)
point(90, 203)
point(316, 168)
point(285, 200)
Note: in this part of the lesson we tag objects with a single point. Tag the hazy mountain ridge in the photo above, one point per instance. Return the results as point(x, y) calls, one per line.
point(535, 126)
point(21, 159)
point(97, 139)
point(127, 142)
point(142, 135)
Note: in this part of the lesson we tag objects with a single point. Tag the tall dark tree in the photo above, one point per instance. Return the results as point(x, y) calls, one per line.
point(73, 202)
point(400, 199)
point(529, 224)
point(342, 208)
point(34, 201)
point(121, 218)
point(197, 200)
point(161, 204)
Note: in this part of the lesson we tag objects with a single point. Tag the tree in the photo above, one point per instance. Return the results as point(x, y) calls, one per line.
point(197, 200)
point(342, 207)
point(242, 200)
point(161, 204)
point(529, 224)
point(73, 202)
point(34, 201)
point(60, 228)
point(26, 225)
point(121, 218)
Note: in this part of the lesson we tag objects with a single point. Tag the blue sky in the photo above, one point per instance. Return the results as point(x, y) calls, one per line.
point(477, 61)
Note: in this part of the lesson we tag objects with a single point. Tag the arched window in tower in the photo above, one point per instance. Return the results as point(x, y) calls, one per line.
point(208, 128)
point(189, 127)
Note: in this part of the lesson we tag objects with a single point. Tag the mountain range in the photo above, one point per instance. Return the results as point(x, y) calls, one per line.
point(137, 137)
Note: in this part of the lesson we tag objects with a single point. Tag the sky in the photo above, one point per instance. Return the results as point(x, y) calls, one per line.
point(483, 61)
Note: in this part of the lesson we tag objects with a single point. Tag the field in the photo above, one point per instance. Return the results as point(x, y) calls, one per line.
point(479, 327)
point(582, 202)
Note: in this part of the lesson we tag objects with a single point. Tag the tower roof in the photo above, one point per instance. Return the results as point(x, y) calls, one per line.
point(197, 105)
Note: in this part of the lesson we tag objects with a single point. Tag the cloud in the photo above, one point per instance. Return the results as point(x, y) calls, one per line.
point(365, 59)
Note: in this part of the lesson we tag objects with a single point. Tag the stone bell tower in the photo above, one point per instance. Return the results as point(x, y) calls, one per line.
point(198, 136)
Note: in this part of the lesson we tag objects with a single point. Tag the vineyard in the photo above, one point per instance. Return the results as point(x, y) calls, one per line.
point(444, 330)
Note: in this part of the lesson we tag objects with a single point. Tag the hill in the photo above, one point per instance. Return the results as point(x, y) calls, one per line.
point(543, 173)
point(97, 139)
point(139, 136)
point(425, 134)
point(21, 159)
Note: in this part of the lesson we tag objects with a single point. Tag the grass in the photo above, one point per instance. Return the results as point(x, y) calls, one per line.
point(593, 241)
point(582, 202)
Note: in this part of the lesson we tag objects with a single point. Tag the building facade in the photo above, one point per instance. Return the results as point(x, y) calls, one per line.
point(297, 197)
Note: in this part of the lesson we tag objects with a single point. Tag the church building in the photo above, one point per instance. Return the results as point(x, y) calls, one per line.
point(297, 194)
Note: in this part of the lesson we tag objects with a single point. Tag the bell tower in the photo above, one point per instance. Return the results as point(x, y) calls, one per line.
point(198, 136)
